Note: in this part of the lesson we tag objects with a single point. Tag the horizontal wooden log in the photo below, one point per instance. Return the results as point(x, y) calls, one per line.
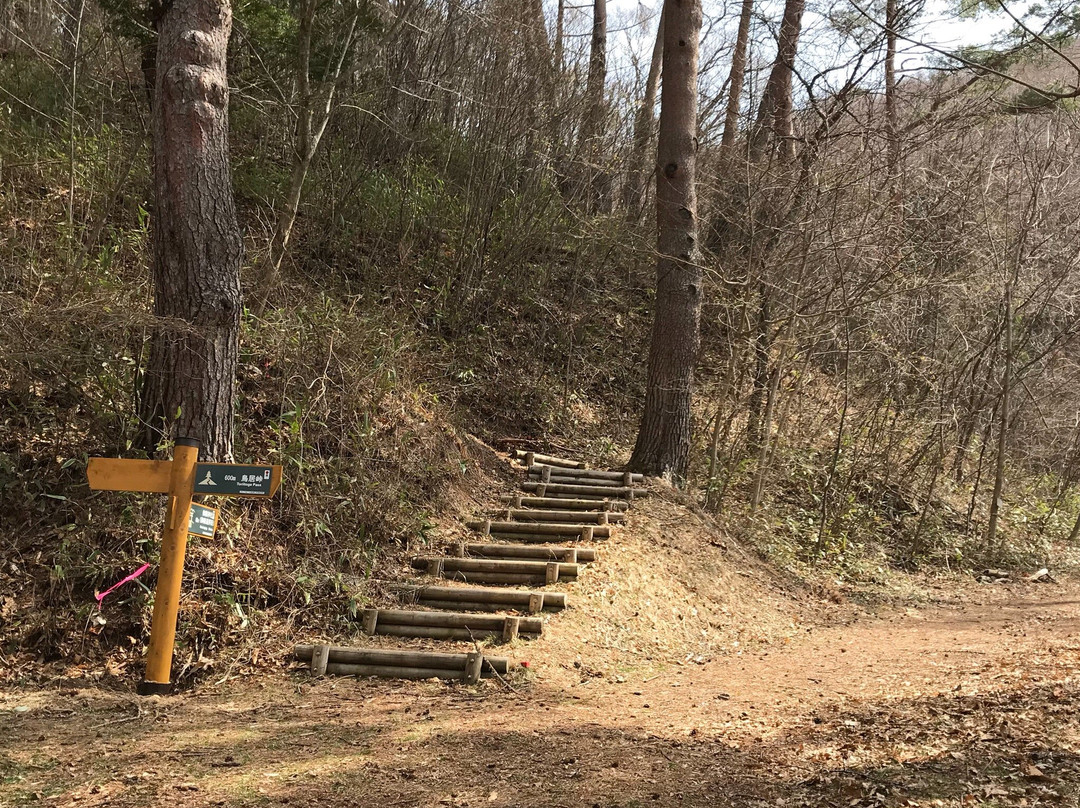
point(545, 515)
point(477, 622)
point(573, 479)
point(394, 671)
point(503, 578)
point(439, 633)
point(552, 528)
point(510, 566)
point(590, 474)
point(572, 496)
point(397, 657)
point(584, 554)
point(535, 457)
point(597, 504)
point(517, 598)
point(555, 489)
point(459, 605)
point(541, 538)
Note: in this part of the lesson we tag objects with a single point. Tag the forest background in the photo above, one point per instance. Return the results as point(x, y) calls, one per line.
point(448, 231)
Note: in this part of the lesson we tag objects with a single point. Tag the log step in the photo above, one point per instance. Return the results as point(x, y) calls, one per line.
point(600, 475)
point(483, 599)
point(573, 479)
point(498, 571)
point(541, 528)
point(558, 489)
point(531, 458)
point(450, 625)
point(400, 664)
point(569, 554)
point(543, 515)
point(565, 503)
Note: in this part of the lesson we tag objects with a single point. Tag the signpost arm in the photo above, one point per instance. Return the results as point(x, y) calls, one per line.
point(171, 569)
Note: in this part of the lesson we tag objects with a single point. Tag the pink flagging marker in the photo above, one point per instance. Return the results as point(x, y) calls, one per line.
point(100, 596)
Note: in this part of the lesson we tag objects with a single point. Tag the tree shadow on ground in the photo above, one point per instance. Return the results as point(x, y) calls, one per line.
point(421, 746)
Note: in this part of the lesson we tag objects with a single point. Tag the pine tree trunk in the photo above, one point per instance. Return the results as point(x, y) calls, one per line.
point(637, 183)
point(663, 441)
point(188, 388)
point(737, 77)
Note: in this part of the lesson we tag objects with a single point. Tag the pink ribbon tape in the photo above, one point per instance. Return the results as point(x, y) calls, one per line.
point(101, 596)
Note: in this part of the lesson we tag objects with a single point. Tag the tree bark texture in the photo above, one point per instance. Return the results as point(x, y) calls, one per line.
point(891, 130)
point(663, 441)
point(188, 388)
point(637, 183)
point(590, 143)
point(1003, 428)
point(737, 77)
point(774, 118)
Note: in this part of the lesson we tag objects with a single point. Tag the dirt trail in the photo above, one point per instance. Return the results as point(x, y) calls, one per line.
point(953, 705)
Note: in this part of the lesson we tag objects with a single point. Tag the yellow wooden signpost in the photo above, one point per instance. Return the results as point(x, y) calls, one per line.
point(180, 478)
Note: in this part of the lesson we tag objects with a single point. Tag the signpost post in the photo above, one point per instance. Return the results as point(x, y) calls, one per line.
point(180, 478)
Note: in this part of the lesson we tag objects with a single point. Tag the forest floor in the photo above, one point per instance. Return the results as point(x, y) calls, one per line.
point(974, 700)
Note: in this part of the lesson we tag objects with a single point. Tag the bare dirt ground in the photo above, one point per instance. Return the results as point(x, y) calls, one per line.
point(973, 702)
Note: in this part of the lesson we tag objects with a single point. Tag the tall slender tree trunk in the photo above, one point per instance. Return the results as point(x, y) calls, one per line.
point(188, 387)
point(315, 104)
point(774, 118)
point(560, 22)
point(1003, 427)
point(637, 183)
point(538, 63)
point(663, 441)
point(736, 78)
point(892, 20)
point(760, 381)
point(1074, 534)
point(590, 143)
point(450, 94)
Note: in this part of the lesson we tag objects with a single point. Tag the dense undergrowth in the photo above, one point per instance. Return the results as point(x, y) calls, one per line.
point(413, 315)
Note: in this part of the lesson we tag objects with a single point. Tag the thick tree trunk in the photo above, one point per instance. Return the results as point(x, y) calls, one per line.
point(774, 118)
point(737, 77)
point(637, 183)
point(663, 441)
point(188, 387)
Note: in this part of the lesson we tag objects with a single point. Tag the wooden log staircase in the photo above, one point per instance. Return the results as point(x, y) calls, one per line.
point(536, 541)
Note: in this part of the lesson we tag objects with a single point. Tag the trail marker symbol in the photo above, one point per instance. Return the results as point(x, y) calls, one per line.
point(180, 478)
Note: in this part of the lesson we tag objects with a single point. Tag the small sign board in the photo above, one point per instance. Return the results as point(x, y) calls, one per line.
point(202, 521)
point(224, 479)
